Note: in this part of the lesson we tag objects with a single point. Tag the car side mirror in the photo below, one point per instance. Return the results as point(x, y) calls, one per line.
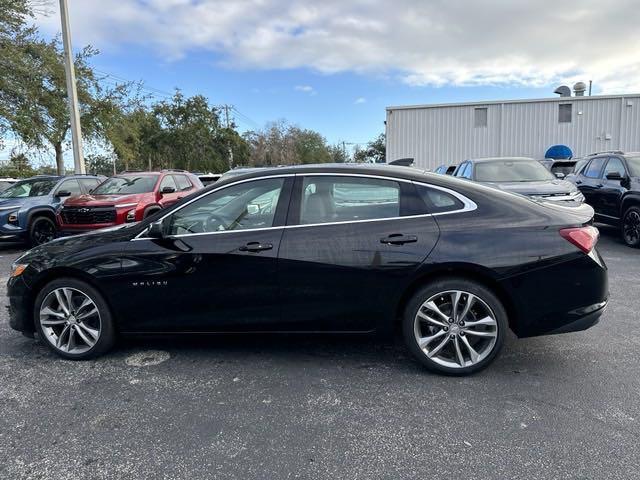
point(166, 190)
point(560, 175)
point(63, 193)
point(157, 230)
point(614, 176)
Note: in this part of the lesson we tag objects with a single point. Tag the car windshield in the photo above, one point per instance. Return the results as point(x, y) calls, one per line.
point(126, 185)
point(36, 187)
point(511, 171)
point(634, 165)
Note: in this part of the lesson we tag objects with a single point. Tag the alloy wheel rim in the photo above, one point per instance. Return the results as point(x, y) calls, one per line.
point(632, 227)
point(44, 232)
point(70, 320)
point(455, 329)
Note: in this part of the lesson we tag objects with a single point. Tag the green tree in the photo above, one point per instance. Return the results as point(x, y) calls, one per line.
point(99, 164)
point(283, 144)
point(375, 151)
point(33, 96)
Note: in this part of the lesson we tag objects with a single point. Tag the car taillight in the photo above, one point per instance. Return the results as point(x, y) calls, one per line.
point(585, 238)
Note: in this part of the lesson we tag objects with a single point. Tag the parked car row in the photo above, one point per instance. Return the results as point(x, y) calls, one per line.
point(608, 181)
point(40, 208)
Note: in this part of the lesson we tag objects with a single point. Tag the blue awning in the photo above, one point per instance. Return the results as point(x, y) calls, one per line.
point(559, 152)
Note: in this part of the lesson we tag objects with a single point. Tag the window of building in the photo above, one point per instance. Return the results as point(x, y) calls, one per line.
point(480, 117)
point(564, 112)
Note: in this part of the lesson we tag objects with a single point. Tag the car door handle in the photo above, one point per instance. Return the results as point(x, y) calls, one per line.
point(578, 182)
point(599, 185)
point(398, 239)
point(255, 247)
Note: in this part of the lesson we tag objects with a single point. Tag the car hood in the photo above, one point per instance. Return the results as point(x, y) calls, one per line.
point(48, 254)
point(103, 200)
point(545, 187)
point(5, 203)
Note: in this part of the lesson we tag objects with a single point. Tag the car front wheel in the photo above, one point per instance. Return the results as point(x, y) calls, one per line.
point(631, 227)
point(454, 326)
point(73, 319)
point(42, 230)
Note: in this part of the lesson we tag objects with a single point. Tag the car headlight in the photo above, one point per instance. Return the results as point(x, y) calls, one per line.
point(131, 215)
point(18, 268)
point(13, 217)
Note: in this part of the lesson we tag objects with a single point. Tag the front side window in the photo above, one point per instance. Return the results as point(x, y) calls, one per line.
point(594, 168)
point(168, 182)
point(126, 185)
point(614, 165)
point(344, 199)
point(89, 183)
point(71, 186)
point(512, 171)
point(634, 165)
point(30, 188)
point(244, 206)
point(182, 182)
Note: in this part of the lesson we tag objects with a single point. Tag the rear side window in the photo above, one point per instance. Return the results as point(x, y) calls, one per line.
point(183, 182)
point(438, 201)
point(343, 199)
point(594, 168)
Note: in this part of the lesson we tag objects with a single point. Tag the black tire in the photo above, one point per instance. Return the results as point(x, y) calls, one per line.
point(630, 228)
point(41, 230)
point(107, 334)
point(411, 328)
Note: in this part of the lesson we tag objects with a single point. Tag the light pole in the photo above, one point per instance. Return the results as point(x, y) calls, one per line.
point(72, 93)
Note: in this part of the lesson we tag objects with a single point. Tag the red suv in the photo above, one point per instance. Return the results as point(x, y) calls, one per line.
point(127, 197)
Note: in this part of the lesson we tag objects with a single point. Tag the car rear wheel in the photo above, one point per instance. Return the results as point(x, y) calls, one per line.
point(73, 319)
point(631, 227)
point(42, 230)
point(454, 326)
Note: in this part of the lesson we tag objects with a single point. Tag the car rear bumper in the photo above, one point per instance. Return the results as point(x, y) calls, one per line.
point(560, 297)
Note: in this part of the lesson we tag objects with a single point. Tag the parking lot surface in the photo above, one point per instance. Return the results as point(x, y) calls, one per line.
point(557, 407)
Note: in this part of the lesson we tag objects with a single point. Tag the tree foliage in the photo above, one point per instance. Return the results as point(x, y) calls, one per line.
point(283, 144)
point(375, 151)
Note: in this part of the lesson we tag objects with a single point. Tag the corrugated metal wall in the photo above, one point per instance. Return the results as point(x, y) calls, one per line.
point(434, 135)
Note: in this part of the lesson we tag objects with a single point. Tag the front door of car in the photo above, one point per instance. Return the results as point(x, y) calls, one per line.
point(613, 189)
point(589, 182)
point(215, 269)
point(348, 245)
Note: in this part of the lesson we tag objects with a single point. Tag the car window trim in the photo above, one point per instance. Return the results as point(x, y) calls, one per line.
point(468, 204)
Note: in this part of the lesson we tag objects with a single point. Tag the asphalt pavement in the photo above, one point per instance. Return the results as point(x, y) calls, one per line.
point(564, 406)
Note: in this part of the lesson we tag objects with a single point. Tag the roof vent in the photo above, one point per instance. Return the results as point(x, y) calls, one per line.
point(563, 91)
point(579, 89)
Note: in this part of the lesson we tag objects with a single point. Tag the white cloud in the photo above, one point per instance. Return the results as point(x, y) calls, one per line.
point(360, 100)
point(439, 42)
point(305, 89)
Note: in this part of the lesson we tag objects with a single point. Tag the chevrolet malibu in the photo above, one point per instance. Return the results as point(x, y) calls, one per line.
point(449, 263)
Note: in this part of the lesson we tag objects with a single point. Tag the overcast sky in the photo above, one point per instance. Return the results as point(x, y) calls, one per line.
point(334, 65)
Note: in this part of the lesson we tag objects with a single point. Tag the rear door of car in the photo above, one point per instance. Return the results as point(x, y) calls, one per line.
point(349, 243)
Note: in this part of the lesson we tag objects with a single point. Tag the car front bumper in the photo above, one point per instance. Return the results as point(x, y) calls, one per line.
point(19, 307)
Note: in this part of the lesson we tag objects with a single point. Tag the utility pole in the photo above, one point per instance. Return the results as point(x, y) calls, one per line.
point(230, 150)
point(72, 93)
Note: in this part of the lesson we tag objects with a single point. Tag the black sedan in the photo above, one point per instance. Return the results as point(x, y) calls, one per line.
point(452, 264)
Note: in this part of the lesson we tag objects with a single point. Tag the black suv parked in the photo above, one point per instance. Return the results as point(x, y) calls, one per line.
point(610, 183)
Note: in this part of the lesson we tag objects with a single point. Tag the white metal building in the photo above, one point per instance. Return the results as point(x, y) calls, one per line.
point(449, 133)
